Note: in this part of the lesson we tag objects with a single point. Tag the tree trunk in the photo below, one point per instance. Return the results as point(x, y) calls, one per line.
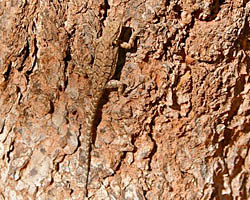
point(179, 131)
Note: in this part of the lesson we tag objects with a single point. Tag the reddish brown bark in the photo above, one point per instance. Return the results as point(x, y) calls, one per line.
point(180, 132)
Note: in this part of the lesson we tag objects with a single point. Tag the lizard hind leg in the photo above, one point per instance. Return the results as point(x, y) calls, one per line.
point(113, 84)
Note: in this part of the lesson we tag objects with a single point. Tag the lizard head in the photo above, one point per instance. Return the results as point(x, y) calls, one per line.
point(112, 31)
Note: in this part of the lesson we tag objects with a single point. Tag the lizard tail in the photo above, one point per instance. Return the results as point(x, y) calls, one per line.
point(90, 121)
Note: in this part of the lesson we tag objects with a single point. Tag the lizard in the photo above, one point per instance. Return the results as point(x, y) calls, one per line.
point(103, 69)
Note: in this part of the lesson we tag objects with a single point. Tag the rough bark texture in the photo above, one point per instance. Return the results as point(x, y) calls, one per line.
point(180, 132)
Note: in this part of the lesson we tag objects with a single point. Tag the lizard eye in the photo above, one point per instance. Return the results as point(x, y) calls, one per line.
point(115, 43)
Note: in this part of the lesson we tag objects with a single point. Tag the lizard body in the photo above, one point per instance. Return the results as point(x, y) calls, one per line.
point(103, 69)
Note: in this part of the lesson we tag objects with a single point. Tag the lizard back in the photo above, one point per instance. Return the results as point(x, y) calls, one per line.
point(104, 66)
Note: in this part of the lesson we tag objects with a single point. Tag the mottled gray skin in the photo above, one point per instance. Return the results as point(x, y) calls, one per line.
point(104, 67)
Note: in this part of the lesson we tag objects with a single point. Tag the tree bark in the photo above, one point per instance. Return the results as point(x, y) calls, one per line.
point(181, 129)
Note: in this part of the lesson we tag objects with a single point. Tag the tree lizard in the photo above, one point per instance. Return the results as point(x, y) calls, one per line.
point(103, 69)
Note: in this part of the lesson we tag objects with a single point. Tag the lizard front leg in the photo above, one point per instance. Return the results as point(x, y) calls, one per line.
point(112, 84)
point(130, 43)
